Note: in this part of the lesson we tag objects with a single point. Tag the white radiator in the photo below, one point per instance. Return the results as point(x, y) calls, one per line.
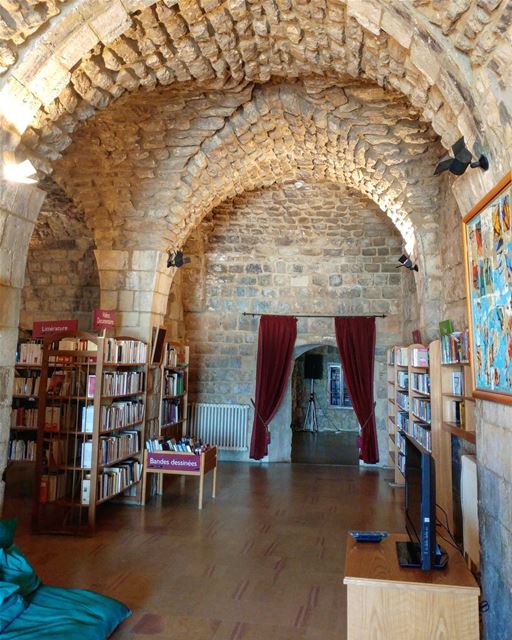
point(223, 425)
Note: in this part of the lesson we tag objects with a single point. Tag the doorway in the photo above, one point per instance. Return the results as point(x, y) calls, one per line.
point(323, 423)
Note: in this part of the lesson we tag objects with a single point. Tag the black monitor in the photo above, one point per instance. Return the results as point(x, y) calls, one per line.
point(420, 512)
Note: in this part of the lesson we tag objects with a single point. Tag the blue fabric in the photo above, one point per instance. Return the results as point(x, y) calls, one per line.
point(7, 531)
point(67, 614)
point(12, 604)
point(15, 568)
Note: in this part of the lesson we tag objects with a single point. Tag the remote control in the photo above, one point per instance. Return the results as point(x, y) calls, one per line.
point(368, 536)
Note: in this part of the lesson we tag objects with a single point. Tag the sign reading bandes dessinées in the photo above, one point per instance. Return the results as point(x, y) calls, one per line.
point(103, 319)
point(42, 328)
point(173, 462)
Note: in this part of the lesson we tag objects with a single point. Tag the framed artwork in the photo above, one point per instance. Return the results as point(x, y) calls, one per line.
point(488, 259)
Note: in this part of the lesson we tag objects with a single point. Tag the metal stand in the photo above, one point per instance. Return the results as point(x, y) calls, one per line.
point(310, 423)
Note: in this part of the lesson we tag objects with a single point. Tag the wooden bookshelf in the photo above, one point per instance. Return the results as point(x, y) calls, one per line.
point(90, 429)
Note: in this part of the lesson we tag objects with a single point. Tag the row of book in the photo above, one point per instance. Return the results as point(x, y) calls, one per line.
point(457, 412)
point(421, 433)
point(400, 442)
point(421, 409)
point(72, 344)
point(30, 353)
point(23, 417)
point(402, 421)
point(112, 480)
point(125, 351)
point(171, 356)
point(402, 356)
point(184, 445)
point(402, 379)
point(71, 382)
point(173, 383)
point(402, 400)
point(420, 382)
point(52, 487)
point(121, 414)
point(121, 383)
point(455, 347)
point(171, 411)
point(22, 450)
point(111, 448)
point(419, 357)
point(401, 462)
point(28, 386)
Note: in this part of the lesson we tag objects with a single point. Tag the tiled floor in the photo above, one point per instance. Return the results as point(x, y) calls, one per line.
point(262, 562)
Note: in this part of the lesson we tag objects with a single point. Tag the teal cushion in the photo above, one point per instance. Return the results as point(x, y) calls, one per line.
point(16, 569)
point(12, 604)
point(7, 531)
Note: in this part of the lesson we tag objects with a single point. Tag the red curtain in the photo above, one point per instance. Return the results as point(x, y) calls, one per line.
point(276, 340)
point(356, 343)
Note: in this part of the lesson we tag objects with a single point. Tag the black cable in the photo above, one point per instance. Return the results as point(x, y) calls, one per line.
point(453, 542)
point(449, 542)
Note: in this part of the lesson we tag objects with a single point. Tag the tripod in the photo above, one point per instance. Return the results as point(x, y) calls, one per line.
point(310, 423)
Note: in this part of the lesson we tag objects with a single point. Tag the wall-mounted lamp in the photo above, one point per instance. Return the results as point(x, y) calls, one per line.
point(407, 263)
point(177, 259)
point(461, 160)
point(19, 171)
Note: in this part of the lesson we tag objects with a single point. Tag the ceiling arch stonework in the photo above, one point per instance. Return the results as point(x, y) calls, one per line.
point(448, 62)
point(169, 157)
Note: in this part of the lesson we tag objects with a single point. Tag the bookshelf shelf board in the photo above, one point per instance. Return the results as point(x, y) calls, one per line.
point(27, 365)
point(417, 367)
point(391, 400)
point(102, 465)
point(177, 368)
point(401, 408)
point(453, 396)
point(417, 443)
point(392, 419)
point(117, 365)
point(123, 395)
point(402, 388)
point(70, 504)
point(455, 363)
point(420, 393)
point(391, 382)
point(392, 456)
point(402, 366)
point(23, 396)
point(457, 431)
point(112, 495)
point(420, 418)
point(23, 461)
point(75, 353)
point(172, 424)
point(23, 428)
point(180, 395)
point(78, 398)
point(126, 426)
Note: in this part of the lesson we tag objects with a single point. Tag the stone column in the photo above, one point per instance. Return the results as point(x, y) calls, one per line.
point(136, 284)
point(19, 207)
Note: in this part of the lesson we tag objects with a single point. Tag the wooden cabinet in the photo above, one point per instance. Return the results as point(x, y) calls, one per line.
point(386, 602)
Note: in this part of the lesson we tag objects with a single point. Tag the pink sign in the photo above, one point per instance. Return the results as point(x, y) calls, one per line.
point(103, 319)
point(170, 461)
point(41, 329)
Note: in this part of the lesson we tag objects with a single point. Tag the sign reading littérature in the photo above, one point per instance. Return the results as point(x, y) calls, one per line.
point(43, 328)
point(103, 319)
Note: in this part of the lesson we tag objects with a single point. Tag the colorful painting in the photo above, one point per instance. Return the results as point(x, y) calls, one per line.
point(489, 269)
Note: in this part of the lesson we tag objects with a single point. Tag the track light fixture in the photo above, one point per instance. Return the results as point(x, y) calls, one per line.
point(407, 263)
point(177, 259)
point(461, 160)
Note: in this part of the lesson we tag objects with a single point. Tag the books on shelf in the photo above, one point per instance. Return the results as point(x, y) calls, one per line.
point(52, 419)
point(457, 383)
point(420, 382)
point(121, 414)
point(112, 448)
point(23, 417)
point(171, 412)
point(22, 450)
point(113, 480)
point(402, 356)
point(52, 487)
point(391, 357)
point(86, 454)
point(422, 434)
point(87, 418)
point(120, 351)
point(420, 408)
point(401, 461)
point(419, 357)
point(26, 386)
point(402, 421)
point(445, 327)
point(402, 400)
point(402, 379)
point(183, 445)
point(173, 383)
point(400, 442)
point(455, 347)
point(120, 383)
point(30, 353)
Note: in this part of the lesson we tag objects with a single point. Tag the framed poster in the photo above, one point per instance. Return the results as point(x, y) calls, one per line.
point(488, 259)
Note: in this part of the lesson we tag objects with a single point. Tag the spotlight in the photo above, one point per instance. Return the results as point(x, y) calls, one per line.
point(461, 160)
point(407, 263)
point(177, 259)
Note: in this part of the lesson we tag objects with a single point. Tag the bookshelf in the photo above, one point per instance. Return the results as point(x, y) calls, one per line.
point(174, 391)
point(90, 429)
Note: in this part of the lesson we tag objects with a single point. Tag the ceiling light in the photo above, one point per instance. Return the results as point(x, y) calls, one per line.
point(461, 160)
point(20, 172)
point(177, 259)
point(407, 263)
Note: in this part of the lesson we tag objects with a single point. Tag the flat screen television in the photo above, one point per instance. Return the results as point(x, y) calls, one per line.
point(422, 551)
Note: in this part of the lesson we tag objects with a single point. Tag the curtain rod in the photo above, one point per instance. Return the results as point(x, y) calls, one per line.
point(307, 315)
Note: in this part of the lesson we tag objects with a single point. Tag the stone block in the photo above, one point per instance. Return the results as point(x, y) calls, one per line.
point(112, 22)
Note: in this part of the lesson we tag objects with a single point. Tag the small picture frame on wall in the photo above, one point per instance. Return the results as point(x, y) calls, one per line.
point(487, 231)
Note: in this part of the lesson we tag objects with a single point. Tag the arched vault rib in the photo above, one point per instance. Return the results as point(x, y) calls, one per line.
point(168, 159)
point(83, 65)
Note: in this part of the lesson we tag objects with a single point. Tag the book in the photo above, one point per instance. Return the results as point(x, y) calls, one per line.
point(86, 489)
point(91, 385)
point(457, 388)
point(87, 419)
point(445, 327)
point(86, 454)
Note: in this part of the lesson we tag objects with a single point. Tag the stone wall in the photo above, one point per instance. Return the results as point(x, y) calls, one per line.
point(301, 248)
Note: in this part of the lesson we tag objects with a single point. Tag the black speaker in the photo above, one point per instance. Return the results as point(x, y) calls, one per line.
point(313, 365)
